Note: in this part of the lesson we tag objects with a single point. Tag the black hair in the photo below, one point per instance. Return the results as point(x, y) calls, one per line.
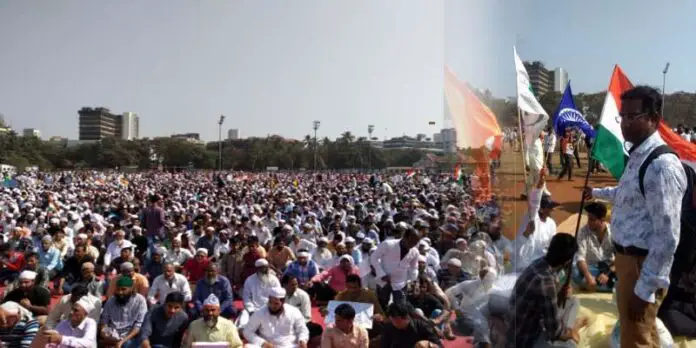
point(597, 209)
point(410, 232)
point(31, 254)
point(398, 310)
point(345, 311)
point(79, 290)
point(561, 250)
point(286, 279)
point(651, 99)
point(175, 297)
point(354, 279)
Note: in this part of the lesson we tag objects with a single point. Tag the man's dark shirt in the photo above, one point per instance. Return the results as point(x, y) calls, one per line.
point(38, 296)
point(153, 269)
point(209, 243)
point(162, 331)
point(534, 306)
point(73, 267)
point(428, 304)
point(22, 245)
point(153, 221)
point(417, 331)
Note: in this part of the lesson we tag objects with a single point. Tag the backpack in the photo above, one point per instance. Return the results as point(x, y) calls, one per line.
point(683, 274)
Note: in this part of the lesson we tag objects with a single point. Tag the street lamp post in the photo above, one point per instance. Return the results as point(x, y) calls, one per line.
point(315, 126)
point(370, 129)
point(664, 81)
point(222, 119)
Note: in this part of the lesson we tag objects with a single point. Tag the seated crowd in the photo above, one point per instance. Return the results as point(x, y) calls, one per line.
point(218, 264)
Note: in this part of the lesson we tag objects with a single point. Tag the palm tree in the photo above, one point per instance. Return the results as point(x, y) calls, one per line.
point(347, 137)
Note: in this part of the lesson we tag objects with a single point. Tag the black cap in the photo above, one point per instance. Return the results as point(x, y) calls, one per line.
point(547, 203)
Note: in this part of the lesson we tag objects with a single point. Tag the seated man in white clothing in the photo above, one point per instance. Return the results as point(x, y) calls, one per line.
point(79, 331)
point(277, 324)
point(255, 293)
point(168, 281)
point(469, 300)
point(535, 235)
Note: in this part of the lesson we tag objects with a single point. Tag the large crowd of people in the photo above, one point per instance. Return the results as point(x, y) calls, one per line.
point(161, 259)
point(157, 259)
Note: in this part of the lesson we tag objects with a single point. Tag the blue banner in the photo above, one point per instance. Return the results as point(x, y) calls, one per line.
point(567, 116)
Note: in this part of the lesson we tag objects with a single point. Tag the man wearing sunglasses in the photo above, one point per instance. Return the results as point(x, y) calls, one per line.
point(645, 227)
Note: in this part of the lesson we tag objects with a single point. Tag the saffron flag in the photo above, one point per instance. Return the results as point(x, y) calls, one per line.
point(475, 124)
point(609, 148)
point(568, 116)
point(476, 127)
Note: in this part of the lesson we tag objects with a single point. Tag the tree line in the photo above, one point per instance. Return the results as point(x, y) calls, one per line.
point(346, 152)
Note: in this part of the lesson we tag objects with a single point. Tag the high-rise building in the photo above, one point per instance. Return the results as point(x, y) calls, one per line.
point(31, 132)
point(233, 134)
point(130, 126)
point(544, 80)
point(98, 123)
point(560, 79)
point(539, 77)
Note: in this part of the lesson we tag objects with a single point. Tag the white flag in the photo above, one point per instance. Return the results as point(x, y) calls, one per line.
point(534, 117)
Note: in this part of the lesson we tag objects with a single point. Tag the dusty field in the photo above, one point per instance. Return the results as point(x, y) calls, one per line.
point(510, 186)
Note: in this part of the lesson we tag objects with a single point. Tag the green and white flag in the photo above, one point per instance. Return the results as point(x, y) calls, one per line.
point(534, 117)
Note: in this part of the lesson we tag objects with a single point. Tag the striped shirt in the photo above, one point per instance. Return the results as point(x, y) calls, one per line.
point(21, 335)
point(122, 319)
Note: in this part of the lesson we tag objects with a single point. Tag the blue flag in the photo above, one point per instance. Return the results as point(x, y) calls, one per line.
point(567, 116)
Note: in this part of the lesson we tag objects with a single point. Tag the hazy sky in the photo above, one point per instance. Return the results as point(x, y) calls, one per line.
point(272, 67)
point(588, 37)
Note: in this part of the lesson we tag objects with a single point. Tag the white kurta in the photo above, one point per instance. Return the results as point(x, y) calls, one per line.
point(387, 261)
point(255, 294)
point(285, 330)
point(528, 249)
point(160, 288)
point(324, 258)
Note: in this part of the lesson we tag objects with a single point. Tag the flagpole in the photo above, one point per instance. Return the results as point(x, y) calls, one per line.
point(582, 199)
point(524, 162)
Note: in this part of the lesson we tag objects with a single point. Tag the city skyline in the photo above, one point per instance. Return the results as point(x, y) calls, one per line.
point(273, 68)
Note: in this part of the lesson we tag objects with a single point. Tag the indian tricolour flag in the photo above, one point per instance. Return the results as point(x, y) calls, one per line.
point(458, 175)
point(609, 147)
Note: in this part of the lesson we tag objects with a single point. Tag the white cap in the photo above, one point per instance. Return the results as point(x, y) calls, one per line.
point(27, 275)
point(460, 240)
point(276, 292)
point(261, 263)
point(347, 257)
point(85, 304)
point(212, 300)
point(454, 262)
point(350, 239)
point(203, 251)
point(303, 254)
point(82, 236)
